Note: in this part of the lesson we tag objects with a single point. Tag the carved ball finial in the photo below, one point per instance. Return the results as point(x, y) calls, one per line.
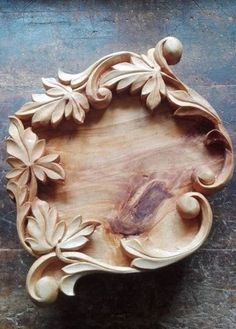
point(172, 50)
point(206, 176)
point(46, 289)
point(188, 207)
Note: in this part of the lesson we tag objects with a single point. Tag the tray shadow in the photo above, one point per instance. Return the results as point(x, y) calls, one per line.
point(122, 301)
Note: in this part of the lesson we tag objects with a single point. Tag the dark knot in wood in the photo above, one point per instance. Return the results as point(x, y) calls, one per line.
point(138, 214)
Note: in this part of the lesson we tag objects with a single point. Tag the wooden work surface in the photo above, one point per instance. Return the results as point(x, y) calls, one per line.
point(37, 37)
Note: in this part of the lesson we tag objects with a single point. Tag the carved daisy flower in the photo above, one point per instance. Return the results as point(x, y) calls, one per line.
point(27, 156)
point(58, 102)
point(142, 73)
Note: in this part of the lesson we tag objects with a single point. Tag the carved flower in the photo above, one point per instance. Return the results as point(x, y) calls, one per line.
point(58, 102)
point(45, 232)
point(142, 73)
point(27, 156)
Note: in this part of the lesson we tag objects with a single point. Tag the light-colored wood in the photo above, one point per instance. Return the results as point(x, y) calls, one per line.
point(123, 191)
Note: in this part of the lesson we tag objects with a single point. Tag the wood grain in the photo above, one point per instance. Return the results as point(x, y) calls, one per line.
point(121, 160)
point(159, 300)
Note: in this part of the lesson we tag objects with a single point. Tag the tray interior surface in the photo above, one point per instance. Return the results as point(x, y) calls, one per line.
point(125, 166)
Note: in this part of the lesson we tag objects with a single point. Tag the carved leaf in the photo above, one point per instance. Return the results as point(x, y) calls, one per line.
point(142, 73)
point(59, 101)
point(189, 106)
point(76, 233)
point(44, 231)
point(85, 265)
point(27, 156)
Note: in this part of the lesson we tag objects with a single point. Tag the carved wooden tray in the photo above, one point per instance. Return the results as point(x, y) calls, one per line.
point(119, 188)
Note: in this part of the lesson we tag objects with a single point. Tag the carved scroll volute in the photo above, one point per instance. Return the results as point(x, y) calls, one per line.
point(190, 206)
point(101, 96)
point(204, 180)
point(43, 288)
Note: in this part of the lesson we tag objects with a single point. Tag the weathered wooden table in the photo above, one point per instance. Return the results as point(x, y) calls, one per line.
point(37, 37)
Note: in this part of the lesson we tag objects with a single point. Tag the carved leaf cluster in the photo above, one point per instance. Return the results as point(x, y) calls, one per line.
point(45, 231)
point(142, 73)
point(59, 101)
point(27, 156)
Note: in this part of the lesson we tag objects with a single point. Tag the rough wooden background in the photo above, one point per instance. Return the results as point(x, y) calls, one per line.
point(37, 37)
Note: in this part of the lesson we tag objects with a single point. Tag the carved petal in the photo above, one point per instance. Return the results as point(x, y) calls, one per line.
point(73, 243)
point(125, 67)
point(15, 163)
point(38, 150)
point(81, 101)
point(21, 176)
point(50, 83)
point(126, 82)
point(68, 109)
point(112, 77)
point(73, 227)
point(52, 170)
point(23, 179)
point(57, 114)
point(141, 63)
point(152, 89)
point(43, 114)
point(15, 173)
point(148, 60)
point(49, 158)
point(28, 109)
point(78, 115)
point(55, 92)
point(41, 98)
point(139, 82)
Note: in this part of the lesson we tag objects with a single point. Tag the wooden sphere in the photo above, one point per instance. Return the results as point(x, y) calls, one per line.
point(46, 289)
point(172, 50)
point(188, 207)
point(206, 176)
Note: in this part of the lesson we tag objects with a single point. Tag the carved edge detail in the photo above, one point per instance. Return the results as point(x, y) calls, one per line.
point(55, 241)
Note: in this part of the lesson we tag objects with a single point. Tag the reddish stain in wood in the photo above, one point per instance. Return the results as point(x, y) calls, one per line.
point(138, 214)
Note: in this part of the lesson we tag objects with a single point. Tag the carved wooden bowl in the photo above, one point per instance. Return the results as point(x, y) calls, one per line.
point(119, 188)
